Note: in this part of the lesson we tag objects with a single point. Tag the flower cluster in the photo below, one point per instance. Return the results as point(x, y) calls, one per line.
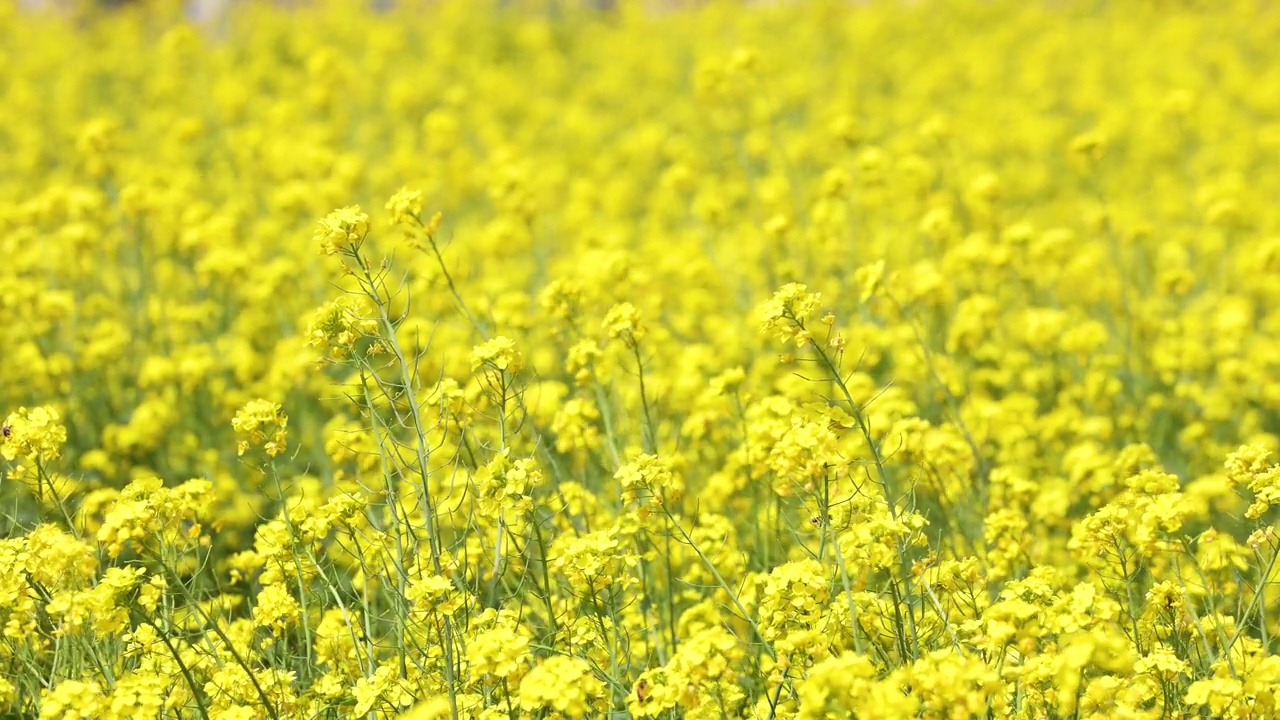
point(344, 229)
point(33, 434)
point(261, 423)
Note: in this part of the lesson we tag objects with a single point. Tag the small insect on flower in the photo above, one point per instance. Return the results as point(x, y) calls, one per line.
point(6, 431)
point(642, 690)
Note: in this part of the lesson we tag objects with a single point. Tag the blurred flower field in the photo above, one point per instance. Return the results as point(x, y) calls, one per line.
point(788, 360)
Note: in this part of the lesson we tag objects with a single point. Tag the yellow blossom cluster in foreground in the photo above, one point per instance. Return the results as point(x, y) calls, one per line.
point(798, 360)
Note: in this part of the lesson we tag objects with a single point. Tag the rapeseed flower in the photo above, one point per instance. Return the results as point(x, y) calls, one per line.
point(545, 458)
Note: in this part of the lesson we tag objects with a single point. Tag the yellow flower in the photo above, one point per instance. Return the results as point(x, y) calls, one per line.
point(1248, 466)
point(261, 422)
point(342, 230)
point(1163, 663)
point(592, 562)
point(337, 326)
point(500, 652)
point(868, 279)
point(385, 687)
point(405, 206)
point(432, 594)
point(1214, 694)
point(276, 609)
point(32, 434)
point(73, 700)
point(623, 322)
point(650, 477)
point(498, 354)
point(784, 315)
point(564, 685)
point(505, 486)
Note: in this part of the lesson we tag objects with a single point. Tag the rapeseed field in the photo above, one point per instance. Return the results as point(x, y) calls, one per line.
point(487, 360)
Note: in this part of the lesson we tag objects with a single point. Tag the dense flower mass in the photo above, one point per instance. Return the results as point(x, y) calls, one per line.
point(524, 360)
